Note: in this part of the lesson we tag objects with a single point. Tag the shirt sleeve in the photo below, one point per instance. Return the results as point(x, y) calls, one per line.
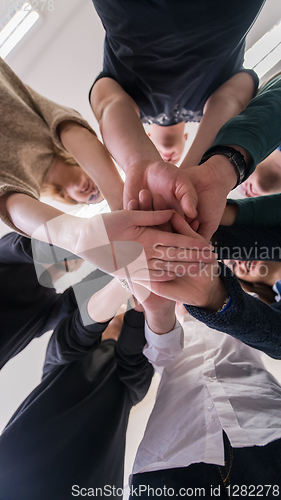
point(248, 243)
point(77, 333)
point(161, 350)
point(53, 114)
point(261, 211)
point(257, 129)
point(18, 249)
point(133, 368)
point(247, 319)
point(71, 340)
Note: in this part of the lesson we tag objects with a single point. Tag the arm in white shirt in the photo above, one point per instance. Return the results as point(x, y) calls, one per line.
point(161, 350)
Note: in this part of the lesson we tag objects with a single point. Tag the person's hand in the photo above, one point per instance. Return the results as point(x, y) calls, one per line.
point(203, 288)
point(212, 182)
point(201, 284)
point(122, 244)
point(198, 192)
point(160, 177)
point(159, 311)
point(114, 328)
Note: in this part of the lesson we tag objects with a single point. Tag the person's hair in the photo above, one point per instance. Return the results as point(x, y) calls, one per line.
point(55, 193)
point(264, 291)
point(52, 191)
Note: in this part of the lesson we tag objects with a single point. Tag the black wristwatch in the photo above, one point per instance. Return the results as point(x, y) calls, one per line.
point(235, 157)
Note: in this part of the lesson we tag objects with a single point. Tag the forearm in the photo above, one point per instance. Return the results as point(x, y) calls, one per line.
point(120, 125)
point(226, 102)
point(93, 157)
point(247, 319)
point(248, 243)
point(257, 128)
point(41, 221)
point(133, 368)
point(261, 212)
point(45, 223)
point(105, 303)
point(71, 341)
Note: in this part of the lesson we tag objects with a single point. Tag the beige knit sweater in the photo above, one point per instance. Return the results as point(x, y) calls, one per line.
point(28, 132)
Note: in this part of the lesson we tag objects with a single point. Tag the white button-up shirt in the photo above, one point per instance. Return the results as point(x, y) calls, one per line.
point(215, 383)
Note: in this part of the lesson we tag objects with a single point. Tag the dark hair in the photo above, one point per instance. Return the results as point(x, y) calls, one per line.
point(264, 291)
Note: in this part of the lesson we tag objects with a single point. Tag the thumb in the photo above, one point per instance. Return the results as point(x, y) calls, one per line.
point(151, 218)
point(189, 203)
point(186, 194)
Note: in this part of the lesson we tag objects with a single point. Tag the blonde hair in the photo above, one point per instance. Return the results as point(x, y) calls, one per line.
point(55, 192)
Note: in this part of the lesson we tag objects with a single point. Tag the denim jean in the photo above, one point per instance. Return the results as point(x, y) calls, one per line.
point(248, 472)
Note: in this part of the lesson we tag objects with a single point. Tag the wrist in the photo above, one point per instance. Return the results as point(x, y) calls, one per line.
point(161, 322)
point(237, 157)
point(140, 161)
point(218, 296)
point(104, 304)
point(222, 172)
point(89, 230)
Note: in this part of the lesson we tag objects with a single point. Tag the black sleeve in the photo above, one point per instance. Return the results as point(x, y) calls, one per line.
point(18, 249)
point(133, 367)
point(15, 249)
point(248, 243)
point(247, 319)
point(71, 340)
point(76, 296)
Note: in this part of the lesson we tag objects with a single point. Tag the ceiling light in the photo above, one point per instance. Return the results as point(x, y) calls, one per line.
point(15, 29)
point(266, 52)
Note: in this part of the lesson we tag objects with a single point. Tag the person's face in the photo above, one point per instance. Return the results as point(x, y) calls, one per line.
point(170, 145)
point(255, 271)
point(251, 187)
point(73, 183)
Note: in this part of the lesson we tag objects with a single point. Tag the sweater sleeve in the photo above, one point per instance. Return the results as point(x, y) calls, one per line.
point(133, 367)
point(248, 243)
point(257, 129)
point(53, 114)
point(247, 319)
point(262, 211)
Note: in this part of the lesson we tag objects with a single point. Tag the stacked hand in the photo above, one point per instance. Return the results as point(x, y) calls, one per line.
point(197, 192)
point(130, 243)
point(200, 285)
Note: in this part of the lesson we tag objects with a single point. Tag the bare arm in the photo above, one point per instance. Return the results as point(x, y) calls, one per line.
point(143, 252)
point(126, 140)
point(93, 157)
point(120, 125)
point(227, 101)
